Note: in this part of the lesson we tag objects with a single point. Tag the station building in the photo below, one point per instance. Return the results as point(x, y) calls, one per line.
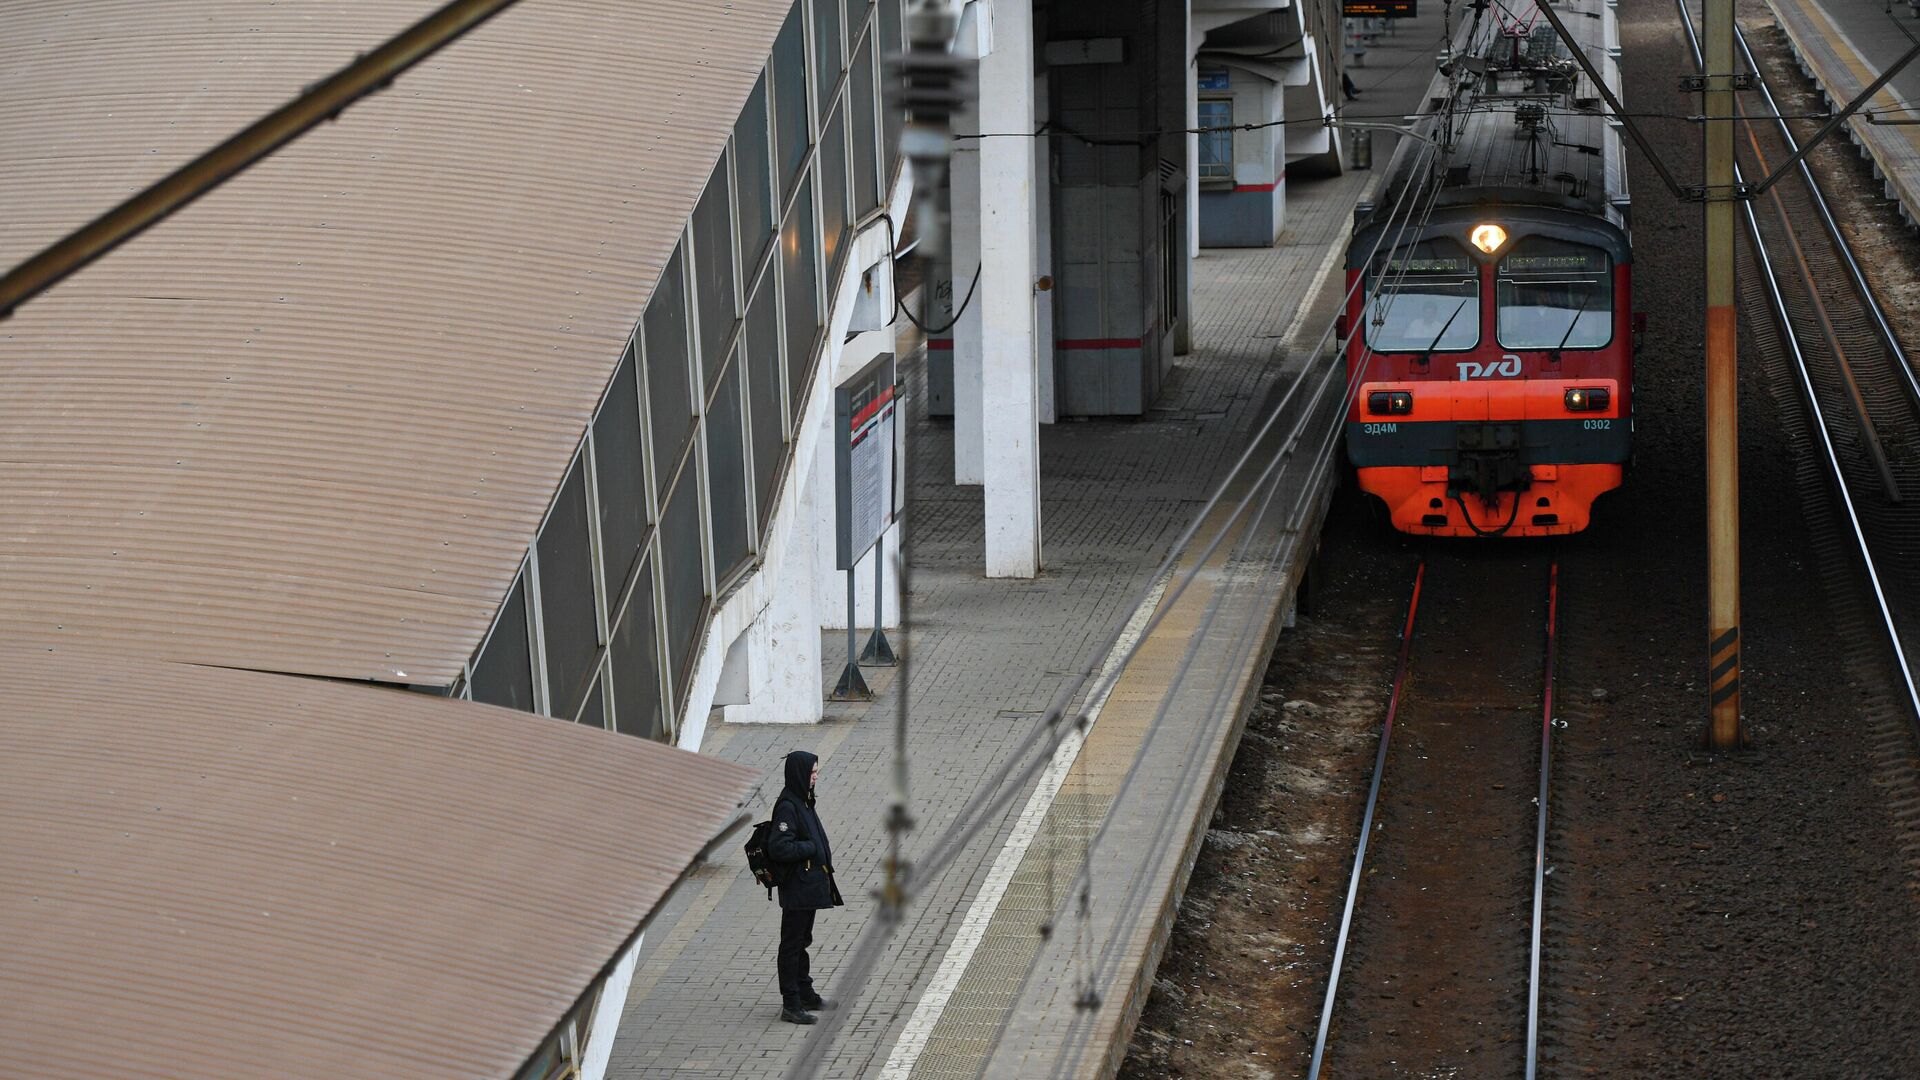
point(503, 387)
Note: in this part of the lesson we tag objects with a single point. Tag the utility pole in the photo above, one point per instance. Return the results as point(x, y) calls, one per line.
point(1725, 730)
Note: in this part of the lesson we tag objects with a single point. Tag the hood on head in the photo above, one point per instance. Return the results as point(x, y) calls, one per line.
point(800, 771)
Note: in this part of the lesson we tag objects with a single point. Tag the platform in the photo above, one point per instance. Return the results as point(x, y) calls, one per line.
point(1844, 48)
point(967, 986)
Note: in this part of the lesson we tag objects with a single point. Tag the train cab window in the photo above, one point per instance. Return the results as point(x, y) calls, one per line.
point(1423, 298)
point(1553, 294)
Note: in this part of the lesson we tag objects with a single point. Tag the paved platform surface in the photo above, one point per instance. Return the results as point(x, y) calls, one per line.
point(1845, 45)
point(968, 985)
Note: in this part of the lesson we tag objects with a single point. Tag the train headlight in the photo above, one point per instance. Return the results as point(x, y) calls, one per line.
point(1588, 399)
point(1488, 238)
point(1389, 402)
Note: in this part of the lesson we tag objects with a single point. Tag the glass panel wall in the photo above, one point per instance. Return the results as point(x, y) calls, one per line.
point(833, 189)
point(829, 51)
point(862, 134)
point(594, 712)
point(727, 476)
point(683, 572)
point(671, 486)
point(634, 663)
point(753, 177)
point(715, 294)
point(669, 384)
point(791, 133)
point(503, 674)
point(799, 291)
point(619, 458)
point(765, 398)
point(567, 614)
point(890, 25)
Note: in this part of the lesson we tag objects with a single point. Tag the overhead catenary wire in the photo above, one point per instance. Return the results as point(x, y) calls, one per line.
point(1135, 895)
point(1185, 779)
point(1010, 776)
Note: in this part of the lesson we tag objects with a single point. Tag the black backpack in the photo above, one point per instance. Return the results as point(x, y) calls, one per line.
point(765, 870)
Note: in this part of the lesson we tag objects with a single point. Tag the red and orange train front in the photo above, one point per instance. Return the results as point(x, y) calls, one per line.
point(1494, 363)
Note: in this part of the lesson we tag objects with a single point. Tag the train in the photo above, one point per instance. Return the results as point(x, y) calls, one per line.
point(1488, 332)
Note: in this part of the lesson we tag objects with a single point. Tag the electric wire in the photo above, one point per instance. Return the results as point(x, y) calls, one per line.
point(1135, 896)
point(1818, 414)
point(993, 796)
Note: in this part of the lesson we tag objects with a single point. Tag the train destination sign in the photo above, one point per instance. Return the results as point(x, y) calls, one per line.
point(1442, 264)
point(1564, 263)
point(1378, 9)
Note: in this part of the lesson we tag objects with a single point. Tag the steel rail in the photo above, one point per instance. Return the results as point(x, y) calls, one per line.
point(1540, 829)
point(1819, 419)
point(1366, 826)
point(1869, 432)
point(1854, 273)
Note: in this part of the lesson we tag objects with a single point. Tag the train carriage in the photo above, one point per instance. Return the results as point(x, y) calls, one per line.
point(1489, 332)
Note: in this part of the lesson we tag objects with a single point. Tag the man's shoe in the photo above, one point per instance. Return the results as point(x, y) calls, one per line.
point(815, 1002)
point(794, 1015)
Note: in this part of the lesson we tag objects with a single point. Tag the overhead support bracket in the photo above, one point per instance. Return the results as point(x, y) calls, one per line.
point(1738, 191)
point(1696, 84)
point(1838, 118)
point(1613, 103)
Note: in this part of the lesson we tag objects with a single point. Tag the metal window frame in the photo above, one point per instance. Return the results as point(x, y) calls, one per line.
point(466, 670)
point(831, 93)
point(1199, 166)
point(870, 29)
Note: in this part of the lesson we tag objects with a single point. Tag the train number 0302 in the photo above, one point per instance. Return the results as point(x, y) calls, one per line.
point(1597, 425)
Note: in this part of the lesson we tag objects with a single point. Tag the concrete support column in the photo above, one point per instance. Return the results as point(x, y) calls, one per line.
point(1043, 254)
point(1010, 368)
point(969, 466)
point(1194, 36)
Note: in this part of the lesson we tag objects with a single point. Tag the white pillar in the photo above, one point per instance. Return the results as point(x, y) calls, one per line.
point(1194, 36)
point(1009, 364)
point(968, 466)
point(1043, 253)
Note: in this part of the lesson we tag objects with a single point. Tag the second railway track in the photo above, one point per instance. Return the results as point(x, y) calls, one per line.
point(1857, 381)
point(1437, 959)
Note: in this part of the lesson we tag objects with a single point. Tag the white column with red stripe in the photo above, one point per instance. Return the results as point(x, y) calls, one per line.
point(1010, 382)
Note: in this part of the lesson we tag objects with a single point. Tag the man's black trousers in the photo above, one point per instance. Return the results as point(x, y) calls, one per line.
point(796, 933)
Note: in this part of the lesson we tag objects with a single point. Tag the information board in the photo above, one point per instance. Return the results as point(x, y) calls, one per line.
point(863, 459)
point(1378, 9)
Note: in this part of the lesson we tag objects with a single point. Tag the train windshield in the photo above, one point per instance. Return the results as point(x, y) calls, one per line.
point(1555, 295)
point(1423, 298)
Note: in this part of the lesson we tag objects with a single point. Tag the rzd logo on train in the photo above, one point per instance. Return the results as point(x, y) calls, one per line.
point(1506, 367)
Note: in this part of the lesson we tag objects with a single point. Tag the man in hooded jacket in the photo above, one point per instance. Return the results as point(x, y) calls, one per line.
point(799, 843)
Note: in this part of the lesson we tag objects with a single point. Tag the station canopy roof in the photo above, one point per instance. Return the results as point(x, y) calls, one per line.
point(314, 879)
point(311, 423)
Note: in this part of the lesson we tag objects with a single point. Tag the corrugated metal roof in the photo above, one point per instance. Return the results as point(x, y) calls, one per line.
point(312, 423)
point(311, 879)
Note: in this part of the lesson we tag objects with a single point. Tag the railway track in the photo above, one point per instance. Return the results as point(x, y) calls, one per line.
point(1429, 976)
point(1856, 381)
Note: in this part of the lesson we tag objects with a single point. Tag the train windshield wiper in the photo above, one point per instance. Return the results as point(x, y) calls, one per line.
point(1426, 354)
point(1577, 312)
